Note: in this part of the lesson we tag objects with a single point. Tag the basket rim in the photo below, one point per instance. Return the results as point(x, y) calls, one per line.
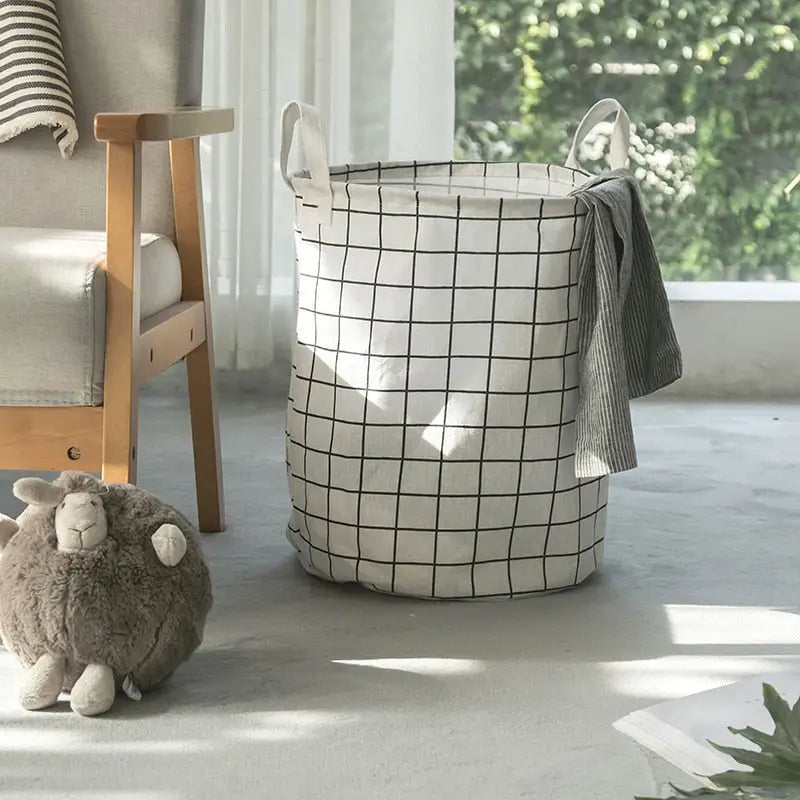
point(336, 171)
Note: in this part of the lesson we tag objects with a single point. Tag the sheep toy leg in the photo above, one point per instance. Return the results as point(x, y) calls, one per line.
point(43, 682)
point(94, 691)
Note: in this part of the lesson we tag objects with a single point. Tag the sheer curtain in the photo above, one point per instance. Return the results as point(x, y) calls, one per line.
point(381, 73)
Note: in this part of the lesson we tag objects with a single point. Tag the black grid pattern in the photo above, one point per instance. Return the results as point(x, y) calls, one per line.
point(431, 419)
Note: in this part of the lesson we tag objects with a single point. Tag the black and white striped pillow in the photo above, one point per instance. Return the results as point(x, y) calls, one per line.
point(34, 86)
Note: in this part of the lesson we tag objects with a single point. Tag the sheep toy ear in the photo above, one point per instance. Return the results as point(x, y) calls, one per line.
point(169, 544)
point(37, 492)
point(8, 527)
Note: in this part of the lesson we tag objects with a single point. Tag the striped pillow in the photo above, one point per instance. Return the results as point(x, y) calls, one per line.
point(34, 87)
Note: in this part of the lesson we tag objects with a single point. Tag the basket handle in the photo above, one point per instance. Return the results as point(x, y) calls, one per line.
point(318, 186)
point(620, 135)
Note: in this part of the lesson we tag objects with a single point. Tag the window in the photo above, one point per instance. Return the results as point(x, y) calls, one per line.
point(711, 87)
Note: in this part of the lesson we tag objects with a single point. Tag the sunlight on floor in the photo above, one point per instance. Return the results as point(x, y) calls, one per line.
point(672, 677)
point(100, 794)
point(732, 625)
point(278, 726)
point(421, 666)
point(37, 738)
point(699, 626)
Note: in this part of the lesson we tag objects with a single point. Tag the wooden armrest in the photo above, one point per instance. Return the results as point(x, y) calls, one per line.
point(162, 126)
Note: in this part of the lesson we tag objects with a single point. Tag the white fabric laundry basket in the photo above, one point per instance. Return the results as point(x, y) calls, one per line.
point(431, 419)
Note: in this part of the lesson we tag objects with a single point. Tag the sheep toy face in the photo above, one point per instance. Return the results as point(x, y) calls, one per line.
point(80, 521)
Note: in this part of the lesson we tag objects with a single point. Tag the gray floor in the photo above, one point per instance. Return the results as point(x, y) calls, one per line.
point(308, 690)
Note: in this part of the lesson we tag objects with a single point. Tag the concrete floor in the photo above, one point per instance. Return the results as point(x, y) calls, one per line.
point(309, 690)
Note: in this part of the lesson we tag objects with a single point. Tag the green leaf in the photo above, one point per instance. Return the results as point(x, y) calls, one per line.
point(764, 740)
point(765, 763)
point(705, 51)
point(737, 779)
point(775, 767)
point(778, 761)
point(787, 720)
point(697, 793)
point(749, 793)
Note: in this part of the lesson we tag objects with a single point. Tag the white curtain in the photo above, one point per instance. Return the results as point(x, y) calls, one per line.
point(381, 73)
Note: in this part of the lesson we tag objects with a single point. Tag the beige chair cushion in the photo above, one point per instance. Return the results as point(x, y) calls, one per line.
point(52, 311)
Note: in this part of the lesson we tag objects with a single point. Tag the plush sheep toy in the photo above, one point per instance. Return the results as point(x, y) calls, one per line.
point(102, 587)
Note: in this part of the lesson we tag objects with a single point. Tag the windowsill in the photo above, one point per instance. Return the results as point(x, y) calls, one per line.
point(738, 338)
point(734, 291)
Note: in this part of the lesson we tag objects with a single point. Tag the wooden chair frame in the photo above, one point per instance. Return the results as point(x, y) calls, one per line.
point(104, 438)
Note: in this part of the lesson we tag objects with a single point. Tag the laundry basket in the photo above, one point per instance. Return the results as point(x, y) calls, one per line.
point(431, 420)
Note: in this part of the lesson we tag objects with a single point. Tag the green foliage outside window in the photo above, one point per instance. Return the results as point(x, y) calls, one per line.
point(713, 90)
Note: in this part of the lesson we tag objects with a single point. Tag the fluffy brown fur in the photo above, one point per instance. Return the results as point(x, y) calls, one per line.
point(116, 604)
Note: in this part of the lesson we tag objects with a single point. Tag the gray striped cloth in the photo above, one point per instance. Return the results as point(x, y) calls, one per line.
point(626, 343)
point(34, 87)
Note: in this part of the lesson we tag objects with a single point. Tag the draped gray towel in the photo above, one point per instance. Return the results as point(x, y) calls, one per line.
point(626, 342)
point(34, 85)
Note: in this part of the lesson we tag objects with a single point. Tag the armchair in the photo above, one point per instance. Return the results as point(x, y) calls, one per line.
point(90, 307)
